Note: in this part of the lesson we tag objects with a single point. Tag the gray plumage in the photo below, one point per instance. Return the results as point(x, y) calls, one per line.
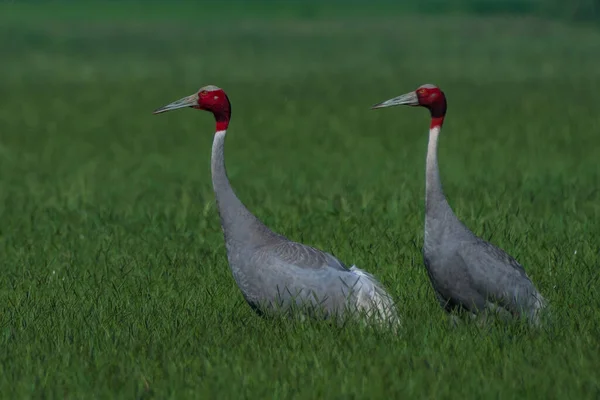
point(465, 270)
point(275, 274)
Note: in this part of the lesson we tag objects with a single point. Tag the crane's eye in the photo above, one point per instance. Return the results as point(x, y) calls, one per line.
point(203, 93)
point(422, 91)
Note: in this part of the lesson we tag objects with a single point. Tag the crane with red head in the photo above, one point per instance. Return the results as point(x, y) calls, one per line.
point(274, 273)
point(466, 272)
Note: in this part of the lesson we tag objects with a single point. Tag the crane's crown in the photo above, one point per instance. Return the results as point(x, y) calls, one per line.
point(209, 88)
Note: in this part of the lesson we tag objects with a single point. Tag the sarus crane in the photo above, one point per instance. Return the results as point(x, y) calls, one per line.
point(466, 272)
point(274, 274)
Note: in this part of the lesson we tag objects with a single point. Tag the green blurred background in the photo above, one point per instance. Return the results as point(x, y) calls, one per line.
point(575, 10)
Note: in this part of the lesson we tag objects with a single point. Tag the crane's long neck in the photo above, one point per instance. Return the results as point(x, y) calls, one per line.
point(239, 225)
point(436, 205)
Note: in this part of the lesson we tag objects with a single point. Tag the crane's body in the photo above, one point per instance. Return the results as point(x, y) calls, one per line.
point(465, 271)
point(274, 274)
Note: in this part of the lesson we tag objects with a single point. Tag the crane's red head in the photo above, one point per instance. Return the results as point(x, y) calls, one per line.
point(209, 98)
point(428, 96)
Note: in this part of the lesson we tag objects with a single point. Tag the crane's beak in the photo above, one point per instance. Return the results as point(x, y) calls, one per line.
point(188, 101)
point(408, 99)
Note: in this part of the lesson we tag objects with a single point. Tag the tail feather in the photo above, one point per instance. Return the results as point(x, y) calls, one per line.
point(540, 305)
point(373, 298)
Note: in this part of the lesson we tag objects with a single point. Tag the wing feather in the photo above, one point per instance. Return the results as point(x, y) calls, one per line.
point(495, 273)
point(304, 256)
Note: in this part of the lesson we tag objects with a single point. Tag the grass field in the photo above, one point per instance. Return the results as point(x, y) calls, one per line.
point(114, 279)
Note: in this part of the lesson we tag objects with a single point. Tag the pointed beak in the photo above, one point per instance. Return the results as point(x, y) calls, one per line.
point(408, 99)
point(188, 101)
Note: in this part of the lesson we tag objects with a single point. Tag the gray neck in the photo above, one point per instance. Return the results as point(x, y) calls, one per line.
point(437, 209)
point(239, 225)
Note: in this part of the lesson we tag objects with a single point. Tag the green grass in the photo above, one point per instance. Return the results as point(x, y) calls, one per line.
point(114, 276)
